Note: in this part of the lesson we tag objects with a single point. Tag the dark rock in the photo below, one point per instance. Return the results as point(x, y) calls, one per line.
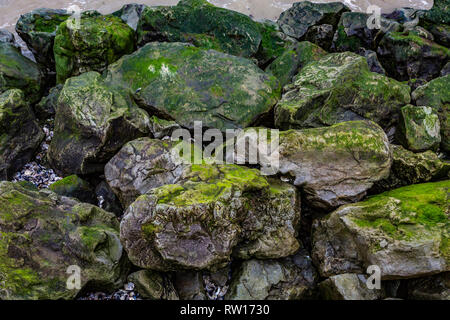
point(74, 187)
point(46, 108)
point(131, 14)
point(431, 288)
point(107, 200)
point(372, 60)
point(189, 285)
point(321, 35)
point(153, 285)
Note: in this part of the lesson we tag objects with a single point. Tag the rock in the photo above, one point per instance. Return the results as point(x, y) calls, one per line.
point(296, 21)
point(419, 128)
point(292, 278)
point(20, 135)
point(436, 94)
point(406, 55)
point(38, 29)
point(214, 209)
point(333, 165)
point(441, 33)
point(74, 187)
point(404, 232)
point(131, 14)
point(18, 72)
point(46, 108)
point(321, 35)
point(445, 70)
point(153, 285)
point(189, 285)
point(180, 82)
point(107, 200)
point(91, 45)
point(372, 60)
point(348, 286)
point(142, 165)
point(412, 168)
point(431, 288)
point(93, 121)
point(202, 24)
point(161, 128)
point(339, 87)
point(43, 234)
point(352, 32)
point(288, 64)
point(439, 13)
point(6, 37)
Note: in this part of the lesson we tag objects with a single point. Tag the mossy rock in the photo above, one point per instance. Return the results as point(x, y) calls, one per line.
point(419, 128)
point(436, 94)
point(212, 211)
point(38, 29)
point(407, 55)
point(93, 121)
point(339, 87)
point(440, 13)
point(180, 82)
point(43, 234)
point(46, 108)
point(90, 45)
point(18, 72)
point(20, 135)
point(405, 232)
point(153, 285)
point(74, 187)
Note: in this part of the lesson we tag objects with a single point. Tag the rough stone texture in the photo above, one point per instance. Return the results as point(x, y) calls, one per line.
point(321, 35)
point(372, 60)
point(142, 165)
point(440, 32)
point(352, 32)
point(436, 94)
point(107, 200)
point(189, 285)
point(153, 285)
point(348, 286)
point(333, 165)
point(46, 108)
point(18, 72)
point(90, 46)
point(131, 14)
point(93, 121)
point(439, 13)
point(431, 288)
point(7, 37)
point(406, 55)
point(20, 135)
point(412, 168)
point(74, 187)
point(42, 234)
point(214, 209)
point(404, 231)
point(202, 24)
point(296, 21)
point(292, 60)
point(161, 128)
point(445, 70)
point(339, 87)
point(38, 29)
point(187, 84)
point(292, 278)
point(419, 128)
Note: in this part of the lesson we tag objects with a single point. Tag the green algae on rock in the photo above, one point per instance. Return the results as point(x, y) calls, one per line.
point(214, 209)
point(74, 187)
point(90, 45)
point(419, 128)
point(404, 231)
point(187, 84)
point(436, 94)
point(339, 87)
point(20, 135)
point(43, 234)
point(93, 121)
point(38, 29)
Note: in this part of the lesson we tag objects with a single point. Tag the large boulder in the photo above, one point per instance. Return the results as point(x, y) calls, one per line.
point(412, 168)
point(339, 87)
point(202, 24)
point(407, 55)
point(296, 21)
point(142, 165)
point(213, 211)
point(45, 239)
point(292, 278)
point(333, 165)
point(90, 44)
point(93, 121)
point(38, 29)
point(18, 72)
point(436, 94)
point(419, 128)
point(348, 286)
point(405, 232)
point(187, 84)
point(20, 135)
